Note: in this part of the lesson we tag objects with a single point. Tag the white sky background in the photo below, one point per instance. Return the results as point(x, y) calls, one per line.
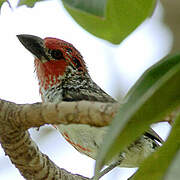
point(111, 66)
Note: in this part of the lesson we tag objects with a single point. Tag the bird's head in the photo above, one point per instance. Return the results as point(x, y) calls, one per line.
point(54, 59)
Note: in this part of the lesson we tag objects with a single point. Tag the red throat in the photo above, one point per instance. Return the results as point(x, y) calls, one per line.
point(49, 73)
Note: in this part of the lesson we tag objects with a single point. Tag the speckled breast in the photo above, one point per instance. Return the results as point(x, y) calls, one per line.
point(87, 140)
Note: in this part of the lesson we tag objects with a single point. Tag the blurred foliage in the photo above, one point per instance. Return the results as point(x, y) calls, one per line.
point(121, 18)
point(173, 170)
point(158, 165)
point(1, 3)
point(153, 97)
point(28, 3)
point(111, 20)
point(171, 19)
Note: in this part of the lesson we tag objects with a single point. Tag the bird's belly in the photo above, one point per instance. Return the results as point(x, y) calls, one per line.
point(87, 140)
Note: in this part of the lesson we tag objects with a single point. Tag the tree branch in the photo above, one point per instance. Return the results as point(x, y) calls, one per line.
point(21, 149)
point(82, 112)
point(16, 119)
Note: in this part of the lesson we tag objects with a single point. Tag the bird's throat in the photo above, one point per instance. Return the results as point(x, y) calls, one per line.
point(49, 73)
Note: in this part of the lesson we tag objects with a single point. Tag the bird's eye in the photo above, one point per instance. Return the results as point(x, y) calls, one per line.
point(77, 62)
point(69, 50)
point(56, 54)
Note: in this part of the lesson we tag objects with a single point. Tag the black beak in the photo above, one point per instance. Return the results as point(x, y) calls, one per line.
point(34, 44)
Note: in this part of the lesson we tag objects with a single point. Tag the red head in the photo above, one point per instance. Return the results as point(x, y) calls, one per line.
point(54, 58)
point(61, 71)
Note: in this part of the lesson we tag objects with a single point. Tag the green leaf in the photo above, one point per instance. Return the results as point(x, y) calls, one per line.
point(173, 171)
point(121, 17)
point(94, 7)
point(28, 3)
point(1, 3)
point(163, 164)
point(153, 96)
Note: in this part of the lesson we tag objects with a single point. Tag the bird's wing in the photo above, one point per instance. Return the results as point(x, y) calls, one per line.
point(153, 135)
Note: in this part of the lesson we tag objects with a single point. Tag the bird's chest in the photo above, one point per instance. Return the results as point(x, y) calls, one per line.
point(84, 138)
point(87, 140)
point(53, 94)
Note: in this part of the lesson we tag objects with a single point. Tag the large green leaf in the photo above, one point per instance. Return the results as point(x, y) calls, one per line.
point(121, 17)
point(163, 164)
point(154, 95)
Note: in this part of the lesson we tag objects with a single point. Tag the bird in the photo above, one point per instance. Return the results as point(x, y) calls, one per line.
point(63, 76)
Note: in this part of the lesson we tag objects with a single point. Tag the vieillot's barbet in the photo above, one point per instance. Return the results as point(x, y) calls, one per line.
point(63, 76)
